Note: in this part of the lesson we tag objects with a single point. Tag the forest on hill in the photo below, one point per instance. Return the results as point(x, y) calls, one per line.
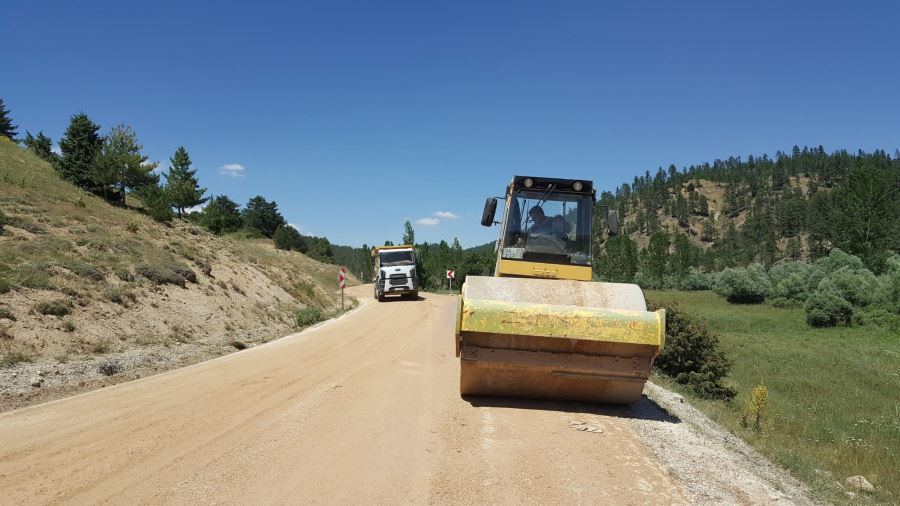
point(734, 212)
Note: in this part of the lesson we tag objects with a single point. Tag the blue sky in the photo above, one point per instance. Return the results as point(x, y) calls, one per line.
point(355, 116)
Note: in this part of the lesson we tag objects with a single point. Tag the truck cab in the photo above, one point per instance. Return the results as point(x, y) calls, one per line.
point(394, 272)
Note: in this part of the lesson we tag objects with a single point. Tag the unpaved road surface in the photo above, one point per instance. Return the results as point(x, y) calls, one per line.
point(363, 409)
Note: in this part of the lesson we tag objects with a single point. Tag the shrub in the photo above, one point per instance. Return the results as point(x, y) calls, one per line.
point(84, 270)
point(54, 307)
point(287, 238)
point(7, 314)
point(877, 317)
point(2, 222)
point(120, 295)
point(156, 201)
point(308, 316)
point(856, 286)
point(185, 272)
point(132, 227)
point(837, 259)
point(692, 355)
point(68, 326)
point(160, 275)
point(888, 294)
point(109, 367)
point(696, 280)
point(826, 308)
point(743, 285)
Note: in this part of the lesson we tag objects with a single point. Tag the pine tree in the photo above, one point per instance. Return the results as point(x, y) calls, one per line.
point(684, 256)
point(655, 257)
point(794, 248)
point(262, 215)
point(618, 262)
point(41, 146)
point(409, 235)
point(80, 146)
point(120, 165)
point(7, 129)
point(709, 233)
point(221, 215)
point(182, 185)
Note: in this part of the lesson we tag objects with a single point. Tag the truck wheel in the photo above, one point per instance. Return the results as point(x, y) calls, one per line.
point(381, 297)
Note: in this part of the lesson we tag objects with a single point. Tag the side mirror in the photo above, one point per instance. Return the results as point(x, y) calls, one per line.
point(490, 209)
point(612, 222)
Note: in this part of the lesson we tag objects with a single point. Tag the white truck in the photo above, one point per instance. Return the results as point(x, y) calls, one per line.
point(395, 272)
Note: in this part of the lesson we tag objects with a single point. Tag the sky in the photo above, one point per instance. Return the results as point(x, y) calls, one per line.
point(356, 116)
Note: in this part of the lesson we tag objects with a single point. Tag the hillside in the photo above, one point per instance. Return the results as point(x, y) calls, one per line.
point(80, 278)
point(794, 206)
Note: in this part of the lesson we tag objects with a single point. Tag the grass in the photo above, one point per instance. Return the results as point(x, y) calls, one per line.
point(833, 394)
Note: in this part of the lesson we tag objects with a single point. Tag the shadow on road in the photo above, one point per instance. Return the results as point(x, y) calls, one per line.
point(644, 409)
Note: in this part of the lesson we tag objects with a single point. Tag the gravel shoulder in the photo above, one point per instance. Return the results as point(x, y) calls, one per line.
point(713, 465)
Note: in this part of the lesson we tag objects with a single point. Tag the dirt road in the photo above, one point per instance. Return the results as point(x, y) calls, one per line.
point(363, 409)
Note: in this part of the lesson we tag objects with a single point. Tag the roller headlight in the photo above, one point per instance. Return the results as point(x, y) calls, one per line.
point(528, 182)
point(577, 186)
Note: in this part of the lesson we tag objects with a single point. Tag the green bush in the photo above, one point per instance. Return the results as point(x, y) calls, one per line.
point(84, 270)
point(692, 355)
point(856, 286)
point(308, 316)
point(696, 280)
point(156, 201)
point(837, 259)
point(743, 285)
point(287, 238)
point(878, 318)
point(2, 222)
point(826, 308)
point(54, 308)
point(888, 294)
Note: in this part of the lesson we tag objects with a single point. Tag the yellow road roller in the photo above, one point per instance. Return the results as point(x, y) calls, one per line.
point(540, 328)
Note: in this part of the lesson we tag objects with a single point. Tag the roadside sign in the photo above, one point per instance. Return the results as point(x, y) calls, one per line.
point(342, 282)
point(451, 274)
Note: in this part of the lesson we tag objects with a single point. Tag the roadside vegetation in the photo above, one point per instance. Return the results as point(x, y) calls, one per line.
point(830, 409)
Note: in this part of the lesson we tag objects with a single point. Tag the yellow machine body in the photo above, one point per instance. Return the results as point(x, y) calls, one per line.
point(544, 330)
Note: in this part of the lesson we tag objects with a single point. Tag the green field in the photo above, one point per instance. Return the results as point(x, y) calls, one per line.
point(834, 393)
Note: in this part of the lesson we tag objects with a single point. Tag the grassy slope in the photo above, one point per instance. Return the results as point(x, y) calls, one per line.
point(834, 393)
point(62, 244)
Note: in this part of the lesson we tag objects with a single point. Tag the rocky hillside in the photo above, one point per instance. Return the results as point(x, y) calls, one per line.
point(81, 278)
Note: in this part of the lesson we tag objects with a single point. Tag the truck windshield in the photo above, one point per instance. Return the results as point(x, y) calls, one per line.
point(389, 258)
point(549, 227)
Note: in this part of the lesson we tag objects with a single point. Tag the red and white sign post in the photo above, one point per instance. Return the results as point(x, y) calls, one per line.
point(342, 282)
point(450, 276)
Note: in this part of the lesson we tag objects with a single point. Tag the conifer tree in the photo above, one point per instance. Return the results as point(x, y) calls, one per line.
point(182, 185)
point(80, 146)
point(7, 129)
point(221, 215)
point(409, 235)
point(41, 146)
point(262, 215)
point(655, 257)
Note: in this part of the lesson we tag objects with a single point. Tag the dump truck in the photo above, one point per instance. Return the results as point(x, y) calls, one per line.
point(540, 328)
point(394, 272)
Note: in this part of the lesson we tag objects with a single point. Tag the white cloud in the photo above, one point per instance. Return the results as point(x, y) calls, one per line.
point(301, 229)
point(427, 221)
point(56, 150)
point(232, 169)
point(446, 214)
